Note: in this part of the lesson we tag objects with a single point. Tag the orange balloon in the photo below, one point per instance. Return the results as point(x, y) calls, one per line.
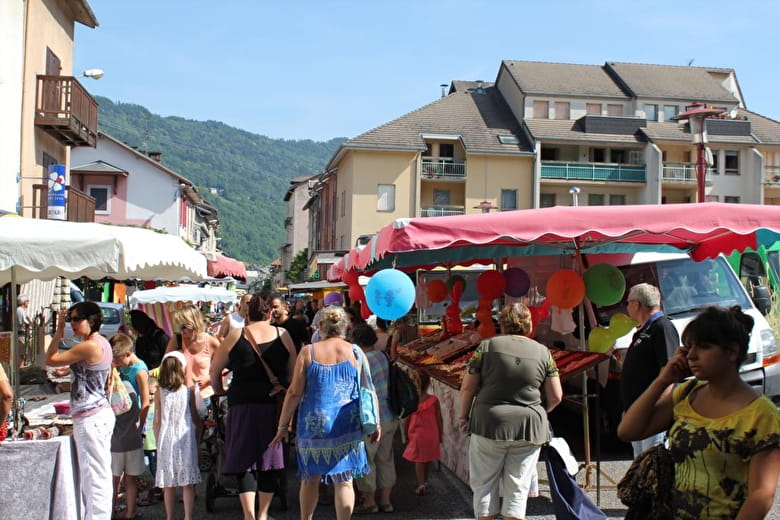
point(486, 329)
point(491, 284)
point(565, 289)
point(437, 291)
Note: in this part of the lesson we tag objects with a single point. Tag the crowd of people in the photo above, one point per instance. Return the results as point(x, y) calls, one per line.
point(292, 371)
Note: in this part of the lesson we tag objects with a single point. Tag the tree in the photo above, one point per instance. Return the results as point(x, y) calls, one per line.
point(298, 266)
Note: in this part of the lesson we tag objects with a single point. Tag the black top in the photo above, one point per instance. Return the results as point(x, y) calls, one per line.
point(150, 348)
point(250, 382)
point(650, 349)
point(297, 330)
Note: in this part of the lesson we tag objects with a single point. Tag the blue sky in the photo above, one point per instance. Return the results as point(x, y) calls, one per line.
point(324, 69)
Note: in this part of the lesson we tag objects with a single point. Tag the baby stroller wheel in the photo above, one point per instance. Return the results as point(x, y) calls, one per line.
point(211, 490)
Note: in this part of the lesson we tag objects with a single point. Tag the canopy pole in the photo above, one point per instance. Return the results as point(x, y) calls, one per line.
point(14, 357)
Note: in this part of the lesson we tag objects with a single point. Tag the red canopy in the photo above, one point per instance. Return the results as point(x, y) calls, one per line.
point(221, 266)
point(703, 230)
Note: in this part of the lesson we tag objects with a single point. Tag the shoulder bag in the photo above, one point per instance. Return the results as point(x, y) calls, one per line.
point(369, 415)
point(118, 396)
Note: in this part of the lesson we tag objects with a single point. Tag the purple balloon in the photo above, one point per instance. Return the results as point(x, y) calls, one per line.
point(334, 298)
point(517, 282)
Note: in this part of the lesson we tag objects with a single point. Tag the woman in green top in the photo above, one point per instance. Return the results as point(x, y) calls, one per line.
point(725, 436)
point(511, 383)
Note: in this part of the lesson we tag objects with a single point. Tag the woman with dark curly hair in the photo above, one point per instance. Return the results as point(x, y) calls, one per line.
point(724, 436)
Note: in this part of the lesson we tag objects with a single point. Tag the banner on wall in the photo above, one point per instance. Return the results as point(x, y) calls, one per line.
point(56, 206)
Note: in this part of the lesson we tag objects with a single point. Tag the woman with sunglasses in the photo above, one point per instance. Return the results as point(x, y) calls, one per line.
point(93, 418)
point(197, 345)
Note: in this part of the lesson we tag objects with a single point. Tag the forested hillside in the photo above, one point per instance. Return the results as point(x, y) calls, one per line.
point(251, 172)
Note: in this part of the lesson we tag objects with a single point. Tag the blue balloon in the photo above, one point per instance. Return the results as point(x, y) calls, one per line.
point(390, 294)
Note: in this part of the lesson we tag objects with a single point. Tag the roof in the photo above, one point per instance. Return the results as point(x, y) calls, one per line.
point(156, 164)
point(83, 14)
point(766, 131)
point(566, 79)
point(478, 118)
point(564, 130)
point(100, 167)
point(668, 81)
point(675, 132)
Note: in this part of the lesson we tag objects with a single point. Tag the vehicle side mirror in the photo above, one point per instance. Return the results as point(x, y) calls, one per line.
point(761, 296)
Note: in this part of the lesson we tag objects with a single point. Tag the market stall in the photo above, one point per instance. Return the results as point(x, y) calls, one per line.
point(159, 303)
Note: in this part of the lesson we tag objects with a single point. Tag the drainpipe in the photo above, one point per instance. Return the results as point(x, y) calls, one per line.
point(19, 175)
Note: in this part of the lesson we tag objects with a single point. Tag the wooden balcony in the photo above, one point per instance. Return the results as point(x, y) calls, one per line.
point(64, 109)
point(79, 207)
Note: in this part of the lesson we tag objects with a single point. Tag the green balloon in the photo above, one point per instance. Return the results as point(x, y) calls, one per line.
point(604, 284)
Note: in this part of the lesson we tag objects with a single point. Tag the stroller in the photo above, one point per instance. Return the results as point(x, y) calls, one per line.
point(213, 447)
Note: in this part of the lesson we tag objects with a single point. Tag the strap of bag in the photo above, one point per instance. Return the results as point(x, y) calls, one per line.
point(360, 359)
point(251, 339)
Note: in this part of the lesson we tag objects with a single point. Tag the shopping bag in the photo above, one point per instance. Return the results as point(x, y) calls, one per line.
point(118, 396)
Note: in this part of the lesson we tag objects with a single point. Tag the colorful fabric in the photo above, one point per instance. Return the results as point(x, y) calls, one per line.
point(88, 387)
point(712, 455)
point(424, 435)
point(329, 438)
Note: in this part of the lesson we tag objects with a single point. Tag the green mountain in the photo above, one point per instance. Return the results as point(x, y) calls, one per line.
point(250, 172)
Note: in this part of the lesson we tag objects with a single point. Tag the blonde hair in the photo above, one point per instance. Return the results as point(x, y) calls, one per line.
point(121, 344)
point(189, 315)
point(515, 318)
point(333, 322)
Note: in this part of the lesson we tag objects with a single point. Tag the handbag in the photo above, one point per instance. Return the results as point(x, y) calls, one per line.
point(369, 415)
point(118, 396)
point(646, 488)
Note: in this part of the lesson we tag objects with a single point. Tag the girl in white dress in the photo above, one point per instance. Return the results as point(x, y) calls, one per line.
point(176, 422)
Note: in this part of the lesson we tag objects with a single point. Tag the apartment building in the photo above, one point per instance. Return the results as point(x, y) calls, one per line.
point(524, 140)
point(296, 224)
point(46, 110)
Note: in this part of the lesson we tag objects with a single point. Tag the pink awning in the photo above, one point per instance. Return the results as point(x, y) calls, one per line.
point(221, 266)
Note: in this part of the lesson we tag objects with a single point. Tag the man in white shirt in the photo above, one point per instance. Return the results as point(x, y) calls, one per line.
point(235, 320)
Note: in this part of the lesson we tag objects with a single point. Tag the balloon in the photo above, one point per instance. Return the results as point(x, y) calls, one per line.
point(538, 313)
point(456, 278)
point(491, 284)
point(350, 277)
point(437, 291)
point(600, 340)
point(517, 281)
point(334, 298)
point(454, 323)
point(621, 324)
point(565, 289)
point(604, 284)
point(486, 329)
point(356, 293)
point(390, 294)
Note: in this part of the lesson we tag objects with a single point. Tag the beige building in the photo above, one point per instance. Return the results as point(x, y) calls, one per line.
point(296, 225)
point(539, 130)
point(46, 111)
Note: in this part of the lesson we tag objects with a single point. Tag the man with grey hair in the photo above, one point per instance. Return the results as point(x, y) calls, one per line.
point(653, 344)
point(22, 318)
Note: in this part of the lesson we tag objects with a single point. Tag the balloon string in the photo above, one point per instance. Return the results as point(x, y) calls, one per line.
point(394, 259)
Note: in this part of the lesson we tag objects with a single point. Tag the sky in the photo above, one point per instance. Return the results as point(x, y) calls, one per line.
point(301, 69)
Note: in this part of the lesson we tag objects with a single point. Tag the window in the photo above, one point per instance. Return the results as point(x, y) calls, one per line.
point(341, 242)
point(651, 112)
point(687, 156)
point(508, 139)
point(549, 154)
point(446, 150)
point(595, 199)
point(546, 200)
point(508, 199)
point(102, 197)
point(562, 109)
point(670, 111)
point(711, 198)
point(541, 110)
point(617, 200)
point(343, 203)
point(441, 197)
point(635, 157)
point(731, 163)
point(598, 155)
point(385, 197)
point(618, 156)
point(614, 110)
point(731, 199)
point(593, 109)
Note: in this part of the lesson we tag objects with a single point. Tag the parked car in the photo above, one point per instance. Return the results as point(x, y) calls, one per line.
point(113, 322)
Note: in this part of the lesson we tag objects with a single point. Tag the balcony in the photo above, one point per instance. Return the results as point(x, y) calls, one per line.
point(79, 207)
point(434, 168)
point(64, 109)
point(772, 175)
point(683, 173)
point(593, 172)
point(441, 210)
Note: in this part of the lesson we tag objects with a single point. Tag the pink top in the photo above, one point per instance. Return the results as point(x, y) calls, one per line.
point(198, 366)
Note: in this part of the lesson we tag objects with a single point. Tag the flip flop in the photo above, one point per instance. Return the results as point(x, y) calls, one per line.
point(365, 510)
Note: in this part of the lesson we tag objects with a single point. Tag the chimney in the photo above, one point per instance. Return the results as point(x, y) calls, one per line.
point(443, 89)
point(155, 156)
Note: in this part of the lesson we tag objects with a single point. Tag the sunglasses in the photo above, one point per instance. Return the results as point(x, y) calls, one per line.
point(187, 326)
point(76, 319)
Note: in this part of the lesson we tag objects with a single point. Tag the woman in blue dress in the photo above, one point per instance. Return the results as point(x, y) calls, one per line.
point(329, 439)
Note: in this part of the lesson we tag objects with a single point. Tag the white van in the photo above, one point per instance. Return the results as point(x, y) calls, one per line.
point(687, 287)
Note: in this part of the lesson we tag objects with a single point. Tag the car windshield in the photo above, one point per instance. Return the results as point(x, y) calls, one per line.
point(689, 286)
point(110, 316)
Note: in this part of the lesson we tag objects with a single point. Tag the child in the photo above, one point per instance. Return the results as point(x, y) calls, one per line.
point(175, 425)
point(150, 444)
point(423, 431)
point(132, 369)
point(127, 455)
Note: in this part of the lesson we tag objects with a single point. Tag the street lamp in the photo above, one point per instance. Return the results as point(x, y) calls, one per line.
point(695, 115)
point(93, 73)
point(574, 191)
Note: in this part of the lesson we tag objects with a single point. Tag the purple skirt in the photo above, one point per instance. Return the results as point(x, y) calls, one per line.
point(248, 430)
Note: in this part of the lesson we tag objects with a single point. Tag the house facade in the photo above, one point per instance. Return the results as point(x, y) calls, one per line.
point(539, 130)
point(131, 187)
point(46, 111)
point(296, 223)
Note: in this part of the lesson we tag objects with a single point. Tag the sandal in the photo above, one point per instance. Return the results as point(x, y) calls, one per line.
point(422, 489)
point(365, 510)
point(146, 501)
point(386, 508)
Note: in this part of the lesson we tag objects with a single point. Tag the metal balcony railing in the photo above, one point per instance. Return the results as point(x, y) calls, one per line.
point(441, 210)
point(684, 173)
point(772, 175)
point(437, 169)
point(64, 109)
point(593, 172)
